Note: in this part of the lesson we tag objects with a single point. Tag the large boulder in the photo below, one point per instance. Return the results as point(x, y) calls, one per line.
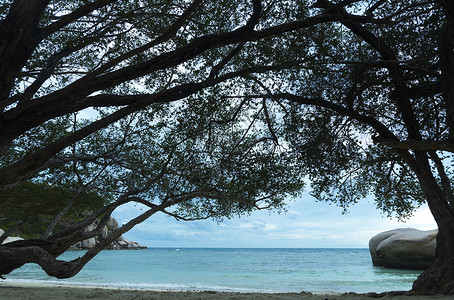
point(405, 248)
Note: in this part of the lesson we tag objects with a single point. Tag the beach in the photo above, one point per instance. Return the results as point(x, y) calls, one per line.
point(10, 290)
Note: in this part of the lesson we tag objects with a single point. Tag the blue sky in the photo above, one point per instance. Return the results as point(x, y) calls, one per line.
point(307, 224)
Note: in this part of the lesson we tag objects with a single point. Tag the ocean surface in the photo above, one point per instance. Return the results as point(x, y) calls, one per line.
point(236, 270)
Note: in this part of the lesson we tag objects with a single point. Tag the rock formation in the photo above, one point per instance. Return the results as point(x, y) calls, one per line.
point(405, 248)
point(120, 244)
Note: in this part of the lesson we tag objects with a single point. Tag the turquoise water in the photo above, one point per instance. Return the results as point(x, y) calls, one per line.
point(241, 270)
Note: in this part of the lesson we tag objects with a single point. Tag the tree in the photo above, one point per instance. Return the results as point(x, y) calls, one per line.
point(206, 109)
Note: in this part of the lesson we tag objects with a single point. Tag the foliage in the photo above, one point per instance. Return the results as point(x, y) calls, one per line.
point(210, 109)
point(36, 204)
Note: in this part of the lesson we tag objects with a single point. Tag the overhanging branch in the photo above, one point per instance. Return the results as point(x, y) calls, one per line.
point(416, 145)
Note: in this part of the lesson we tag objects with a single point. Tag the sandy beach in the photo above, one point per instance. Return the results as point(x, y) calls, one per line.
point(9, 290)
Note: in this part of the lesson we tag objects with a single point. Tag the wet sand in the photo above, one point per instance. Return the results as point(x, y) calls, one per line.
point(13, 290)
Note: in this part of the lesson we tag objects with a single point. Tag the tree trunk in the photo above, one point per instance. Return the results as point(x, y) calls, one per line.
point(439, 279)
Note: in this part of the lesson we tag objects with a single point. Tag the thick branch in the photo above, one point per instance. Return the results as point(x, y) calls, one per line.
point(446, 52)
point(444, 178)
point(11, 257)
point(18, 39)
point(401, 94)
point(37, 161)
point(379, 127)
point(87, 85)
point(256, 12)
point(417, 145)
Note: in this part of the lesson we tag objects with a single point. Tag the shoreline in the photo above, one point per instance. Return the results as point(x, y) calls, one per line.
point(54, 291)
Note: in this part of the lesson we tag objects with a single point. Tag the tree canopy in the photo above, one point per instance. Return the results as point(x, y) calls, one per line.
point(208, 109)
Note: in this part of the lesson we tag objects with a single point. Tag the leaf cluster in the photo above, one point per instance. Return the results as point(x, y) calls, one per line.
point(35, 204)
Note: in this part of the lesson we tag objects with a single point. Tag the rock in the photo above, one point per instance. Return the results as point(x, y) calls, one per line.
point(10, 238)
point(122, 244)
point(88, 243)
point(113, 246)
point(112, 224)
point(405, 248)
point(76, 246)
point(89, 228)
point(104, 233)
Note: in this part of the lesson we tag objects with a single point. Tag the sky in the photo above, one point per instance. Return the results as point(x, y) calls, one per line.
point(307, 224)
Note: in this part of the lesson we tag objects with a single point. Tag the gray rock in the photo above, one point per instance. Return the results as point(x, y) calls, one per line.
point(88, 243)
point(89, 228)
point(122, 244)
point(114, 246)
point(104, 233)
point(112, 224)
point(405, 248)
point(10, 238)
point(119, 244)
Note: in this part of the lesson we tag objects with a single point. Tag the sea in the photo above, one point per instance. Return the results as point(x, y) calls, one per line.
point(231, 270)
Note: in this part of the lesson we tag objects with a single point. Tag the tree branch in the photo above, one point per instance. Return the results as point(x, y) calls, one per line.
point(49, 70)
point(60, 215)
point(71, 17)
point(87, 85)
point(37, 161)
point(401, 95)
point(62, 269)
point(165, 36)
point(18, 40)
point(445, 181)
point(256, 12)
point(426, 145)
point(379, 127)
point(215, 70)
point(446, 53)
